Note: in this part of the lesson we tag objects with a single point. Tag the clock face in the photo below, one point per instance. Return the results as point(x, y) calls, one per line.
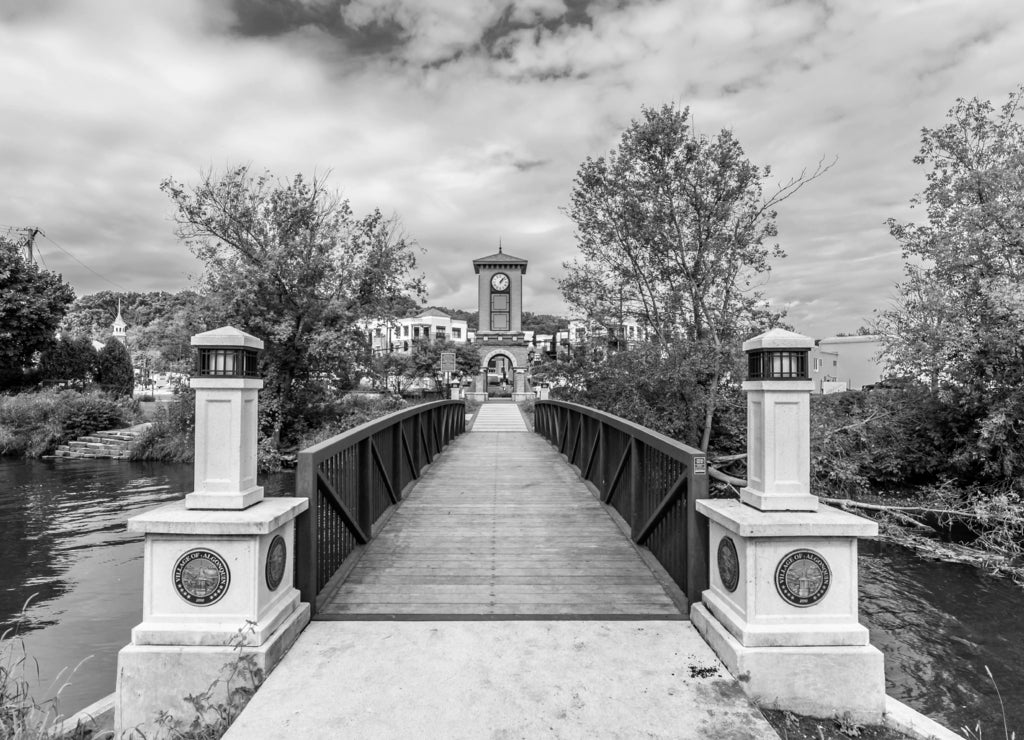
point(499, 281)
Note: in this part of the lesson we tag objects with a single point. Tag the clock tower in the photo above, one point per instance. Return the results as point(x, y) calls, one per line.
point(500, 292)
point(502, 343)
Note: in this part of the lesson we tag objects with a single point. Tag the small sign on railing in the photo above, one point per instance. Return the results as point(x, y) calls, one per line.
point(447, 362)
point(700, 466)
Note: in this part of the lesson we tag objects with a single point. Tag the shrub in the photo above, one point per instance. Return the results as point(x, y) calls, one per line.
point(351, 411)
point(171, 438)
point(33, 424)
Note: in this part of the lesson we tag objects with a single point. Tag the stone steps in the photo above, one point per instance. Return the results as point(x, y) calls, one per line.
point(114, 444)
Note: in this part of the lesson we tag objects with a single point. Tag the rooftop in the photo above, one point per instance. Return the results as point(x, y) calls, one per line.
point(499, 258)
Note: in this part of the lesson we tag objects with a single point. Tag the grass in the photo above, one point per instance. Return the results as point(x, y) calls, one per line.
point(21, 716)
point(976, 732)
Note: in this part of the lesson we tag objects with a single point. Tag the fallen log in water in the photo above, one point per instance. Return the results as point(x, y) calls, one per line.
point(962, 526)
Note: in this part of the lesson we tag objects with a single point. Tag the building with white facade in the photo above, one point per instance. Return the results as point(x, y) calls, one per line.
point(432, 325)
point(845, 363)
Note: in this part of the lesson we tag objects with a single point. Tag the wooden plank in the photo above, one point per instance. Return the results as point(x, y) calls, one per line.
point(500, 525)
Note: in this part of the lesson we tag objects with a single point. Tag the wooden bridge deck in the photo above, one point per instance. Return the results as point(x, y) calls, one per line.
point(501, 527)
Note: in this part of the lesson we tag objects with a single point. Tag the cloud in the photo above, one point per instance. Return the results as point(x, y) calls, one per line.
point(470, 119)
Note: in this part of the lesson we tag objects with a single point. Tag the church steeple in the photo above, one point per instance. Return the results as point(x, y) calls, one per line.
point(120, 328)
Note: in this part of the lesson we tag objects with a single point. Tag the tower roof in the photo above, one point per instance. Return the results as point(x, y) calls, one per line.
point(119, 322)
point(500, 259)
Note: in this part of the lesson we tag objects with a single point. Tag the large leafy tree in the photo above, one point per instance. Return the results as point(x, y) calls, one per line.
point(70, 359)
point(960, 311)
point(288, 261)
point(676, 230)
point(32, 303)
point(160, 324)
point(114, 371)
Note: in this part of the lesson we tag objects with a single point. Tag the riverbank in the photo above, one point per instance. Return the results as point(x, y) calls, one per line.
point(993, 530)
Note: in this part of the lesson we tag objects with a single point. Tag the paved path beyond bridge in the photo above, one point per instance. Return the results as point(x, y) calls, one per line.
point(501, 600)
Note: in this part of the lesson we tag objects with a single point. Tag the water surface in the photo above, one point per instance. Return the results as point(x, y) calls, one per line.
point(63, 537)
point(63, 542)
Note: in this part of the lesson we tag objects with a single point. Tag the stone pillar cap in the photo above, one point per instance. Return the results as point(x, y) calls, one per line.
point(778, 339)
point(226, 336)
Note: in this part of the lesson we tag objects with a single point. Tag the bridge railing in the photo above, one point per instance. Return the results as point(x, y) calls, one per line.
point(652, 481)
point(353, 479)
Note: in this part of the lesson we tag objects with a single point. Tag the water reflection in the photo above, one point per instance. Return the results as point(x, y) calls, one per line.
point(64, 539)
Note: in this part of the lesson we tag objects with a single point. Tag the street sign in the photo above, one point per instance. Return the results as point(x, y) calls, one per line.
point(447, 362)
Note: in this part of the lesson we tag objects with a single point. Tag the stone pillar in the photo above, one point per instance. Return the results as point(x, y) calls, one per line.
point(218, 565)
point(781, 610)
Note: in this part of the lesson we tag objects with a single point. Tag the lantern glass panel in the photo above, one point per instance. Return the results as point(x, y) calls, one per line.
point(777, 364)
point(228, 362)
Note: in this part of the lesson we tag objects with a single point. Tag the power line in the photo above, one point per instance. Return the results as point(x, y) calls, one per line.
point(39, 254)
point(101, 277)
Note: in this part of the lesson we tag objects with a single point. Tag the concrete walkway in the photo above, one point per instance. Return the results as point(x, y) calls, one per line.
point(499, 417)
point(519, 679)
point(501, 601)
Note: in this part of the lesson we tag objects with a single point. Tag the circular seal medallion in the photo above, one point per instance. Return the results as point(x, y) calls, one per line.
point(802, 578)
point(728, 564)
point(201, 577)
point(277, 555)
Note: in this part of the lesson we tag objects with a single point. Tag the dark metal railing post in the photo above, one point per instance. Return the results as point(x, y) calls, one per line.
point(306, 531)
point(635, 480)
point(603, 473)
point(395, 459)
point(697, 544)
point(364, 513)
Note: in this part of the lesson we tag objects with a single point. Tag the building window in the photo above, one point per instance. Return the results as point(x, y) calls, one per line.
point(405, 330)
point(456, 333)
point(426, 332)
point(415, 331)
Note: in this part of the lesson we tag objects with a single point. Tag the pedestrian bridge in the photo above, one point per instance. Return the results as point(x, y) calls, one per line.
point(589, 516)
point(497, 581)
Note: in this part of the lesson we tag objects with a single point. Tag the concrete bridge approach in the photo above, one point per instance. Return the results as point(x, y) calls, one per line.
point(501, 599)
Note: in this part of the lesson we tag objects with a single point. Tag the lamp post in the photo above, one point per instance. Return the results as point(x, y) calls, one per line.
point(778, 423)
point(227, 385)
point(781, 609)
point(218, 566)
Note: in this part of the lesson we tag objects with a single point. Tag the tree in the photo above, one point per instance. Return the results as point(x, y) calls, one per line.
point(675, 231)
point(32, 303)
point(959, 314)
point(426, 359)
point(114, 369)
point(287, 261)
point(71, 359)
point(160, 324)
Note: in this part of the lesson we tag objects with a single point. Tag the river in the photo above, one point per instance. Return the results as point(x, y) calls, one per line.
point(62, 538)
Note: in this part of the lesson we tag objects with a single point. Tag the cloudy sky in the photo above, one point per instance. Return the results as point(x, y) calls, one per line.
point(469, 118)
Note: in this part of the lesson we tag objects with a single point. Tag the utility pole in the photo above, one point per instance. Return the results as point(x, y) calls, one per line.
point(26, 242)
point(29, 244)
